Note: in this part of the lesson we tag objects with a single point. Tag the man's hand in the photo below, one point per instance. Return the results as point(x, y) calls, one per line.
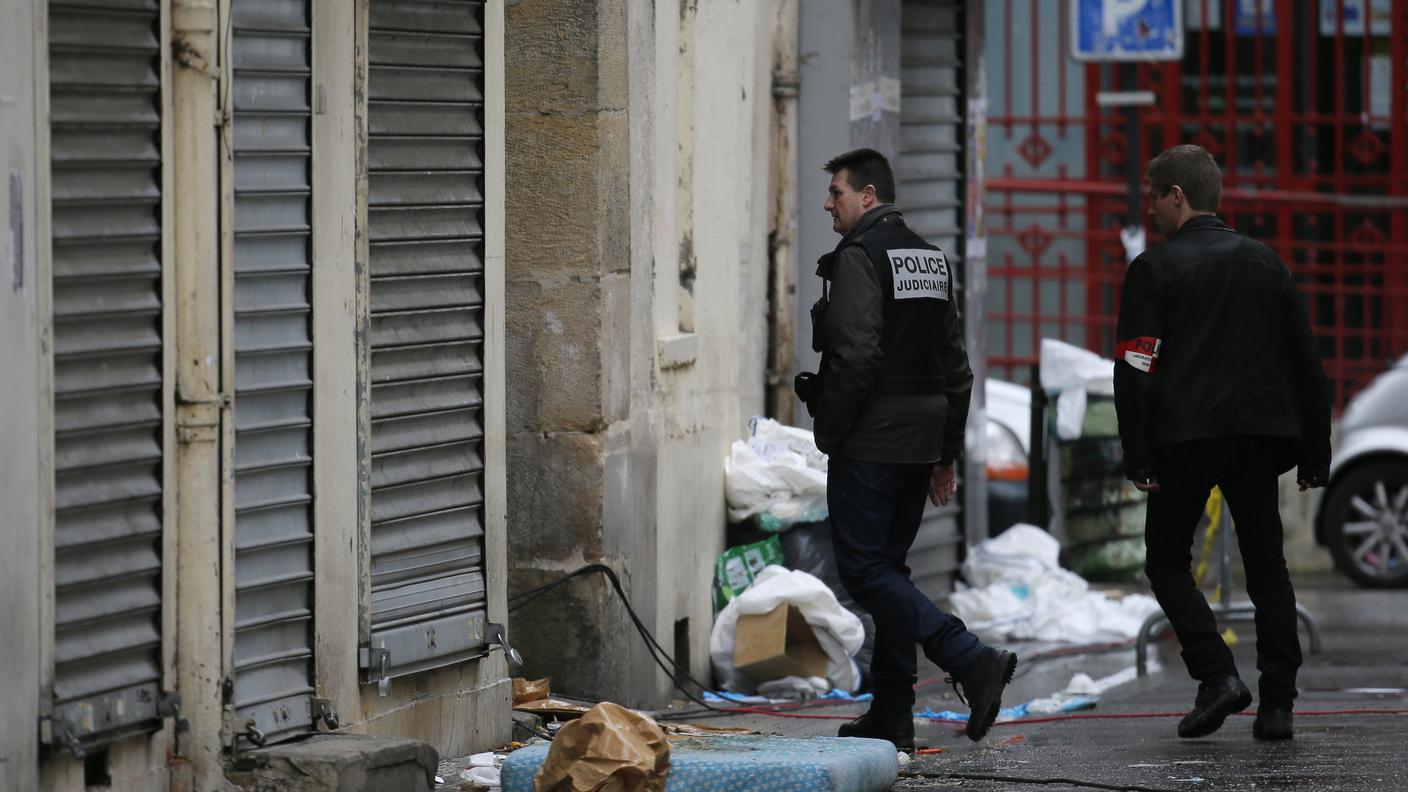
point(1306, 484)
point(943, 484)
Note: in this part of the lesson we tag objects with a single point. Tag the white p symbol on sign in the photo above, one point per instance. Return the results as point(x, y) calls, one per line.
point(1116, 12)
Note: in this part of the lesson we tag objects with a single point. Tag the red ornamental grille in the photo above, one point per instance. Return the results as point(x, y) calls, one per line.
point(1305, 106)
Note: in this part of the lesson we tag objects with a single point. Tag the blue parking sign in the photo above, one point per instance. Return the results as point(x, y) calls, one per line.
point(1126, 30)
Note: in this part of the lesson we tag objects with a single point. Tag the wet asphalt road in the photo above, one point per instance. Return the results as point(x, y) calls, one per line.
point(1365, 637)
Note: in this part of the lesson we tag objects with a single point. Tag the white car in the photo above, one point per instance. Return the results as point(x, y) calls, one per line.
point(1363, 518)
point(1009, 428)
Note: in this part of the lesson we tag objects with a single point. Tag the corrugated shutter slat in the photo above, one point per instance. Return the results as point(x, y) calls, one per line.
point(273, 651)
point(426, 196)
point(929, 187)
point(105, 123)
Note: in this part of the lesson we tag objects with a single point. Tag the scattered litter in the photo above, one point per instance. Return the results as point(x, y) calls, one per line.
point(486, 759)
point(903, 759)
point(439, 780)
point(735, 570)
point(777, 477)
point(779, 646)
point(608, 748)
point(485, 777)
point(837, 630)
point(1020, 592)
point(928, 751)
point(551, 706)
point(1003, 715)
point(725, 696)
point(794, 688)
point(525, 691)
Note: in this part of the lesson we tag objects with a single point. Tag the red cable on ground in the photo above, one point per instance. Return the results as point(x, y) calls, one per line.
point(774, 712)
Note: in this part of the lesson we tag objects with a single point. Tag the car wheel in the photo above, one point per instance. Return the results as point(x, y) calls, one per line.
point(1366, 524)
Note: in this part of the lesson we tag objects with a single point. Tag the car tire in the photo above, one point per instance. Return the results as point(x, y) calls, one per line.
point(1366, 524)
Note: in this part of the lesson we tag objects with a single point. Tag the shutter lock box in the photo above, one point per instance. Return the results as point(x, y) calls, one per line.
point(777, 644)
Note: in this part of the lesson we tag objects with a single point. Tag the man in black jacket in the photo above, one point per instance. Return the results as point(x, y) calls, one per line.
point(890, 402)
point(1218, 383)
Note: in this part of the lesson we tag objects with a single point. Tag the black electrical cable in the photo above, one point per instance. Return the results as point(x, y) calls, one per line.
point(657, 651)
point(1035, 781)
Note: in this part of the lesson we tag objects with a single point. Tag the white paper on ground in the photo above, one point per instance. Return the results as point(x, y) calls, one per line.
point(483, 776)
point(837, 630)
point(1020, 593)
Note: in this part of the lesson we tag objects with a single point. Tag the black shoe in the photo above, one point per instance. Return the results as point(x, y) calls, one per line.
point(1273, 723)
point(1216, 700)
point(982, 684)
point(897, 728)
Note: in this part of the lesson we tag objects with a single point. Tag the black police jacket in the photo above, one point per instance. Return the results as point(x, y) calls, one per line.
point(1213, 341)
point(895, 381)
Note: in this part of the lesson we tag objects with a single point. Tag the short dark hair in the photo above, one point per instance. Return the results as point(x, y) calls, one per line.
point(865, 166)
point(1194, 170)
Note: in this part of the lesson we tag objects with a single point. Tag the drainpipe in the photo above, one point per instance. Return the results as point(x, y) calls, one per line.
point(782, 220)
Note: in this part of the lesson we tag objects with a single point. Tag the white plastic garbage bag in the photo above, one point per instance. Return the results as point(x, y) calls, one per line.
point(777, 472)
point(837, 630)
point(1021, 593)
point(1071, 372)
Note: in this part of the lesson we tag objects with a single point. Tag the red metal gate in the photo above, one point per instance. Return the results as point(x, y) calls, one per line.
point(1305, 106)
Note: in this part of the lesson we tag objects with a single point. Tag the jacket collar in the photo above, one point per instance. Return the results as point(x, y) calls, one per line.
point(867, 221)
point(1203, 223)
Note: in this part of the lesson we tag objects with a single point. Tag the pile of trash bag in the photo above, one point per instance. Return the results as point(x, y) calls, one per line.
point(1017, 591)
point(776, 478)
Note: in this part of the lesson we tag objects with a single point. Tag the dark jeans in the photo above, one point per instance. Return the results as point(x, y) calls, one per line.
point(1246, 468)
point(875, 512)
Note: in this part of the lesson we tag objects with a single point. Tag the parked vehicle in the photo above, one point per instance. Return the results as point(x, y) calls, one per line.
point(1363, 518)
point(1008, 442)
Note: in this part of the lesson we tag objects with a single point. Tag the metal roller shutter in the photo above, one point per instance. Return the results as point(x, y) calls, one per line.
point(105, 122)
point(427, 310)
point(929, 187)
point(273, 652)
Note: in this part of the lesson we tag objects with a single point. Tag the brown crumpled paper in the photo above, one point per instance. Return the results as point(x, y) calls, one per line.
point(525, 691)
point(609, 749)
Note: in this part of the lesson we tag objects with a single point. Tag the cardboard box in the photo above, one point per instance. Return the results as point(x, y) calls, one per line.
point(777, 644)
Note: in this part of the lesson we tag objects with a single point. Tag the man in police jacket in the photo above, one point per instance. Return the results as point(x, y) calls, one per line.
point(890, 402)
point(1218, 383)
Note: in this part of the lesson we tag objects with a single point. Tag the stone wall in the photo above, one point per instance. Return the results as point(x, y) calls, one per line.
point(636, 297)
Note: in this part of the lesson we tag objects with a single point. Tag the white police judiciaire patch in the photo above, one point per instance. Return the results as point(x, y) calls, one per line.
point(919, 273)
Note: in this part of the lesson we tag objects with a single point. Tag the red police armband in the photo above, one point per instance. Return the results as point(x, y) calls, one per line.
point(1141, 353)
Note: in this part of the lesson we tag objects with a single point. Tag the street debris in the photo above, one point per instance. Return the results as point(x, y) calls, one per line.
point(1017, 590)
point(776, 478)
point(525, 691)
point(836, 630)
point(735, 570)
point(608, 748)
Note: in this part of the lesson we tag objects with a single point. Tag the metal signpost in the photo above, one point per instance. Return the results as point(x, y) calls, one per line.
point(1128, 31)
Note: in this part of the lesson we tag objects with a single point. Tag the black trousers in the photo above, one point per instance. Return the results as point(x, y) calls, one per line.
point(876, 508)
point(1246, 468)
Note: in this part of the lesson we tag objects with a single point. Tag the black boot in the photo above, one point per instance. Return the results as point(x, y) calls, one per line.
point(1216, 700)
point(982, 683)
point(898, 728)
point(1273, 723)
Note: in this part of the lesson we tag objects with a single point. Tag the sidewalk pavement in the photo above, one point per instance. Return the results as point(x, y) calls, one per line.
point(1364, 665)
